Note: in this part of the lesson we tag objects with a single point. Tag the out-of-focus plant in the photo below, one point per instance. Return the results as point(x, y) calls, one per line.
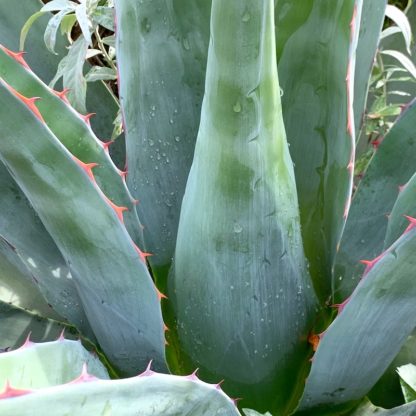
point(89, 29)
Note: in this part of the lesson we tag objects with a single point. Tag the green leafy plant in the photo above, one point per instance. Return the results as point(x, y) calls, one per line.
point(231, 242)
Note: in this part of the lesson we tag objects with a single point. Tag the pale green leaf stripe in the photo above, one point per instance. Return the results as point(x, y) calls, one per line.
point(401, 20)
point(73, 77)
point(403, 59)
point(52, 28)
point(83, 21)
point(57, 5)
point(97, 73)
point(26, 27)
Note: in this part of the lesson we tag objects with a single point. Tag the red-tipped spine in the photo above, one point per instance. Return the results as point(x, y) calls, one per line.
point(340, 306)
point(18, 56)
point(10, 392)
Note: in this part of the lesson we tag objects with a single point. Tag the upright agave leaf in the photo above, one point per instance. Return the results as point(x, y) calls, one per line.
point(161, 55)
point(390, 168)
point(240, 289)
point(316, 69)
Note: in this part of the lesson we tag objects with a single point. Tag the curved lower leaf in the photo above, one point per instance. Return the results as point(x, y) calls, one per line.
point(367, 334)
point(35, 366)
point(116, 291)
point(37, 377)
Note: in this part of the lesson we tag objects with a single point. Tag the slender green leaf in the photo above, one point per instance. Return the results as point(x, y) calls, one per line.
point(389, 31)
point(75, 134)
point(26, 27)
point(401, 20)
point(73, 76)
point(67, 24)
point(52, 28)
point(104, 16)
point(84, 21)
point(372, 18)
point(403, 59)
point(97, 73)
point(58, 5)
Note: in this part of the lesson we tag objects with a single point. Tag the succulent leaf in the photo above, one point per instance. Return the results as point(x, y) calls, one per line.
point(318, 114)
point(125, 314)
point(161, 51)
point(248, 298)
point(366, 336)
point(35, 366)
point(39, 376)
point(392, 166)
point(403, 210)
point(76, 135)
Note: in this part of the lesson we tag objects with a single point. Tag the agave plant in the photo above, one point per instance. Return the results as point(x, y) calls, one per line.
point(219, 248)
